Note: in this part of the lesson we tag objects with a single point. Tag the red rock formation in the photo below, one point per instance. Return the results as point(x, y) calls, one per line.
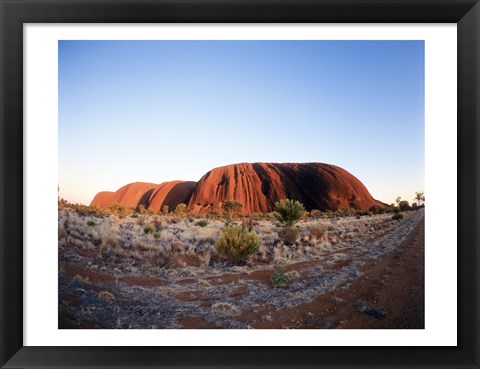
point(170, 194)
point(259, 185)
point(150, 195)
point(132, 194)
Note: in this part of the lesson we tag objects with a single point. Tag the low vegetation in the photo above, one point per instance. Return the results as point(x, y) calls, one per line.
point(397, 216)
point(288, 212)
point(279, 279)
point(237, 243)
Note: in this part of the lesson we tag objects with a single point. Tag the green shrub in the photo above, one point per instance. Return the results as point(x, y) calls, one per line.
point(288, 212)
point(91, 223)
point(237, 243)
point(376, 209)
point(201, 223)
point(279, 279)
point(149, 229)
point(231, 207)
point(397, 216)
point(361, 212)
point(289, 234)
point(214, 214)
point(134, 215)
point(181, 209)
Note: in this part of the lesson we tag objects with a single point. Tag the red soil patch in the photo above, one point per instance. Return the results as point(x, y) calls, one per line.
point(238, 292)
point(72, 300)
point(186, 281)
point(72, 270)
point(193, 296)
point(196, 322)
point(65, 321)
point(143, 281)
point(259, 275)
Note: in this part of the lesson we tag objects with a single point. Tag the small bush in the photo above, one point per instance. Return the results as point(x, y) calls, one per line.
point(214, 214)
point(231, 207)
point(91, 223)
point(201, 223)
point(165, 209)
point(158, 224)
point(317, 231)
point(279, 279)
point(397, 216)
point(181, 209)
point(315, 213)
point(376, 209)
point(247, 223)
point(288, 212)
point(237, 243)
point(134, 215)
point(105, 296)
point(149, 229)
point(289, 234)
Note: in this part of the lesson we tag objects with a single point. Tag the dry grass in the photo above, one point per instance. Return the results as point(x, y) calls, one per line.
point(225, 308)
point(173, 242)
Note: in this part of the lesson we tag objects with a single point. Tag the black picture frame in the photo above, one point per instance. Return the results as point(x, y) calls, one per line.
point(14, 13)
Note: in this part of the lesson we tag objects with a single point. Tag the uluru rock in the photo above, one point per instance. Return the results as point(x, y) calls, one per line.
point(259, 185)
point(132, 194)
point(170, 194)
point(152, 196)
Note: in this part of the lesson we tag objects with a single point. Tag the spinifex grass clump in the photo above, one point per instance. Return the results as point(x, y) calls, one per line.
point(288, 212)
point(237, 243)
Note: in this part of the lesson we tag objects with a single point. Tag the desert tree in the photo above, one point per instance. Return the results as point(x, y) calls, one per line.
point(404, 205)
point(419, 197)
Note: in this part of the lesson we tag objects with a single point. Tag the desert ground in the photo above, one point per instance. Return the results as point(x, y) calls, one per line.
point(163, 271)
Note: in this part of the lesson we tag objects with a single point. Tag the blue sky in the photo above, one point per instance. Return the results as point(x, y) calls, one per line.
point(156, 111)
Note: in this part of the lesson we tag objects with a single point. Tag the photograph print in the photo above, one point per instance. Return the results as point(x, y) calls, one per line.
point(241, 184)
